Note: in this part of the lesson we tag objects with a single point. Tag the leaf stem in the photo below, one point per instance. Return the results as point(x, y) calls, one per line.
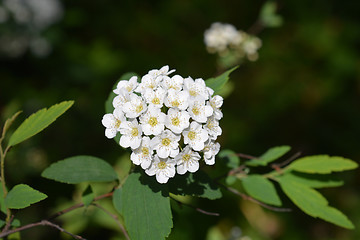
point(196, 208)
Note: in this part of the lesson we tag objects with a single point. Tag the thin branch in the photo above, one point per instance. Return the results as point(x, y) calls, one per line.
point(246, 197)
point(256, 28)
point(115, 218)
point(286, 162)
point(245, 156)
point(79, 205)
point(8, 224)
point(196, 208)
point(41, 223)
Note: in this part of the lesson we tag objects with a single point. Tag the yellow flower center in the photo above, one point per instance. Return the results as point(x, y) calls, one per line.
point(134, 132)
point(129, 88)
point(166, 141)
point(156, 100)
point(139, 108)
point(193, 93)
point(161, 165)
point(145, 151)
point(175, 121)
point(210, 124)
point(117, 123)
point(186, 157)
point(153, 121)
point(196, 110)
point(191, 135)
point(175, 103)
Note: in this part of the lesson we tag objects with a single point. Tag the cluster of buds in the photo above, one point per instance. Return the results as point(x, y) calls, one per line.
point(170, 123)
point(221, 38)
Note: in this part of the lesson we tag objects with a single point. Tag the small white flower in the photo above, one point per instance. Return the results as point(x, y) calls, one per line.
point(143, 155)
point(216, 102)
point(134, 107)
point(129, 85)
point(210, 151)
point(199, 111)
point(195, 136)
point(112, 122)
point(131, 134)
point(122, 98)
point(155, 98)
point(166, 144)
point(177, 120)
point(152, 122)
point(162, 168)
point(177, 99)
point(175, 82)
point(213, 128)
point(148, 81)
point(164, 71)
point(187, 160)
point(196, 88)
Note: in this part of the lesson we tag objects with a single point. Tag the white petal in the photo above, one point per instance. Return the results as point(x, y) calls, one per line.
point(193, 166)
point(163, 152)
point(181, 169)
point(125, 141)
point(110, 132)
point(161, 177)
point(108, 120)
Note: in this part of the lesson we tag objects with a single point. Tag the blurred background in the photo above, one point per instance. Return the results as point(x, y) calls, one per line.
point(302, 91)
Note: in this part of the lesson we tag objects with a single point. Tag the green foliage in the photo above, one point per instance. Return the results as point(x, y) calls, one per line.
point(38, 122)
point(117, 200)
point(80, 169)
point(197, 184)
point(312, 180)
point(88, 196)
point(146, 208)
point(233, 161)
point(10, 121)
point(22, 196)
point(270, 155)
point(218, 82)
point(261, 189)
point(322, 164)
point(313, 203)
point(268, 15)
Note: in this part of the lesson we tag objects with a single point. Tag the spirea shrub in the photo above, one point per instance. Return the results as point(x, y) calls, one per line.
point(169, 123)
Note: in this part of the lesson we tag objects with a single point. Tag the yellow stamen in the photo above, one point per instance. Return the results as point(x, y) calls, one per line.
point(139, 108)
point(186, 157)
point(166, 141)
point(153, 121)
point(134, 132)
point(156, 100)
point(145, 151)
point(175, 121)
point(191, 135)
point(175, 103)
point(192, 93)
point(161, 165)
point(196, 111)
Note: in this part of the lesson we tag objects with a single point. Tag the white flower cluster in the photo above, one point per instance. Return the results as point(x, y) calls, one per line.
point(221, 37)
point(170, 123)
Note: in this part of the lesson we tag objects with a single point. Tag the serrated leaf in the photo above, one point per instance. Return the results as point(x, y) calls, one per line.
point(118, 201)
point(38, 122)
point(270, 155)
point(22, 196)
point(313, 203)
point(232, 160)
point(312, 180)
point(197, 184)
point(109, 108)
point(88, 196)
point(80, 169)
point(218, 82)
point(146, 211)
point(322, 164)
point(261, 189)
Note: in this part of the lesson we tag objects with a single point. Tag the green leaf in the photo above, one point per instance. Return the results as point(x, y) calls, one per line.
point(118, 201)
point(232, 160)
point(38, 122)
point(109, 108)
point(146, 210)
point(313, 203)
point(312, 180)
point(230, 180)
point(22, 195)
point(80, 169)
point(261, 189)
point(197, 184)
point(217, 83)
point(14, 223)
point(88, 196)
point(322, 164)
point(270, 155)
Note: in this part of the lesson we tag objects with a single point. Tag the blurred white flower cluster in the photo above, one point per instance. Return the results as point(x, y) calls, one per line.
point(23, 21)
point(222, 37)
point(170, 123)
